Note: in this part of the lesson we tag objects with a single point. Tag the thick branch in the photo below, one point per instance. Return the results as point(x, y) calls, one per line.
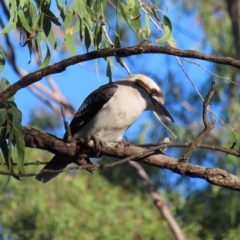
point(120, 52)
point(37, 139)
point(233, 10)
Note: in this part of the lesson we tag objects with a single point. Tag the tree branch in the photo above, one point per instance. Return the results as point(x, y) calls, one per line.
point(36, 139)
point(120, 52)
point(208, 125)
point(158, 201)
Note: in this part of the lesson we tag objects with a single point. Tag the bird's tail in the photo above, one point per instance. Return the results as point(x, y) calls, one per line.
point(57, 163)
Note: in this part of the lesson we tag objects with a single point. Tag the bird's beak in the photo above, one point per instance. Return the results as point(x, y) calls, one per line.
point(161, 110)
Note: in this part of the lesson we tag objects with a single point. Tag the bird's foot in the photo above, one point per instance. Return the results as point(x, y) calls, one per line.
point(97, 144)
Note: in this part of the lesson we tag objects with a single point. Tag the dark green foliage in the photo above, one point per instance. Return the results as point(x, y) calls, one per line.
point(77, 206)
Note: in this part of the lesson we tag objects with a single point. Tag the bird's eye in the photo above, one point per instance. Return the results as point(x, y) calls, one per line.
point(153, 92)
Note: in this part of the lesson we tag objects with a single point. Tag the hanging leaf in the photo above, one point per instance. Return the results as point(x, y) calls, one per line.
point(10, 134)
point(90, 13)
point(148, 26)
point(61, 9)
point(46, 59)
point(24, 21)
point(76, 27)
point(96, 65)
point(20, 146)
point(47, 12)
point(8, 27)
point(168, 31)
point(2, 60)
point(13, 18)
point(109, 70)
point(98, 35)
point(68, 32)
point(38, 46)
point(135, 18)
point(48, 30)
point(100, 8)
point(87, 38)
point(7, 152)
point(124, 12)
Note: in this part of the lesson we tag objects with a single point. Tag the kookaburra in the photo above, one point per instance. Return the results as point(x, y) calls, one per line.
point(109, 111)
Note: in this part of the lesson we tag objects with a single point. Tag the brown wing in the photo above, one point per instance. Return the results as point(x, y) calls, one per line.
point(91, 106)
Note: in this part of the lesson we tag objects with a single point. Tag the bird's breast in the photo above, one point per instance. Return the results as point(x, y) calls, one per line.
point(117, 115)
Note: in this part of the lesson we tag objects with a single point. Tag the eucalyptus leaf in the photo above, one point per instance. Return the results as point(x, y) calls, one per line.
point(124, 12)
point(109, 70)
point(168, 31)
point(47, 58)
point(2, 60)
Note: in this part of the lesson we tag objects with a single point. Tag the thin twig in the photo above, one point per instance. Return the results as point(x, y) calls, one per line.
point(124, 65)
point(190, 80)
point(208, 126)
point(27, 163)
point(201, 97)
point(68, 135)
point(151, 19)
point(106, 35)
point(159, 119)
point(212, 73)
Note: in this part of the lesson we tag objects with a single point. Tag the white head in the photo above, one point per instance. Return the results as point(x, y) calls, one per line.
point(155, 94)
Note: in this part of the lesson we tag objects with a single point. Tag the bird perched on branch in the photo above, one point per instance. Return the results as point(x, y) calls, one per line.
point(109, 111)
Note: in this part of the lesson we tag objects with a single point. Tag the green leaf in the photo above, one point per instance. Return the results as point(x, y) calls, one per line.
point(124, 12)
point(3, 115)
point(148, 26)
point(117, 44)
point(168, 31)
point(48, 13)
point(38, 46)
point(82, 29)
point(69, 41)
point(2, 60)
point(10, 123)
point(68, 32)
point(7, 153)
point(48, 30)
point(98, 35)
point(100, 8)
point(136, 19)
point(130, 3)
point(76, 27)
point(87, 38)
point(90, 13)
point(8, 27)
point(13, 17)
point(23, 21)
point(47, 58)
point(96, 64)
point(109, 70)
point(20, 146)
